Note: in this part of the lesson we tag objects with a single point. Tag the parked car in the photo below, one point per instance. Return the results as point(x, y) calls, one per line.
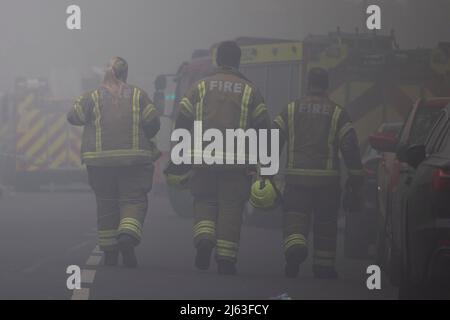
point(371, 160)
point(361, 228)
point(392, 172)
point(424, 219)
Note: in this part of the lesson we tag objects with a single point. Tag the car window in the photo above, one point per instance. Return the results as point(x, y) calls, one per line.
point(444, 144)
point(423, 122)
point(433, 136)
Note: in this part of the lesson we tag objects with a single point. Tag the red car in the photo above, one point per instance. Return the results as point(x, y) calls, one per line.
point(389, 174)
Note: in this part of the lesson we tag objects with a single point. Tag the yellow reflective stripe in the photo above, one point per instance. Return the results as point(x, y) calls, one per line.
point(116, 153)
point(223, 155)
point(280, 122)
point(131, 224)
point(226, 248)
point(226, 253)
point(107, 242)
point(291, 118)
point(332, 136)
point(79, 111)
point(312, 172)
point(259, 110)
point(294, 239)
point(107, 238)
point(187, 105)
point(204, 223)
point(346, 128)
point(205, 227)
point(244, 106)
point(136, 116)
point(321, 254)
point(227, 244)
point(356, 172)
point(107, 233)
point(202, 93)
point(148, 111)
point(97, 124)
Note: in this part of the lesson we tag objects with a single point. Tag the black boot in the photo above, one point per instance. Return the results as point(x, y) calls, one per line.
point(322, 272)
point(226, 267)
point(111, 258)
point(294, 257)
point(203, 257)
point(126, 245)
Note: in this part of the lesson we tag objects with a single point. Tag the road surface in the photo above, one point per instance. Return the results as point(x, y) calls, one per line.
point(45, 232)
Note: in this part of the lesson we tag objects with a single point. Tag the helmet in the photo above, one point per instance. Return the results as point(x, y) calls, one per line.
point(263, 194)
point(179, 181)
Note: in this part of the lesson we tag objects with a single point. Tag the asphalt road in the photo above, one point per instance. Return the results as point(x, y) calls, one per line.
point(44, 233)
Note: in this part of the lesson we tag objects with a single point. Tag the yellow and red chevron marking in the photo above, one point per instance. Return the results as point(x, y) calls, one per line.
point(46, 143)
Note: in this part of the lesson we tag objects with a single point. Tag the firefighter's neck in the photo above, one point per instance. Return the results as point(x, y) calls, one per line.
point(317, 92)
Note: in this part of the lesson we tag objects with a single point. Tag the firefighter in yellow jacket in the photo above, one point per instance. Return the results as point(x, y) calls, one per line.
point(224, 100)
point(315, 129)
point(119, 120)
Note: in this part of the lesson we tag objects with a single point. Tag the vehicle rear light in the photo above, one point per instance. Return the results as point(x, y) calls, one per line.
point(441, 180)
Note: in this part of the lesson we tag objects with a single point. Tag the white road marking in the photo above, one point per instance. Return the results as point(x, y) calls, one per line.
point(94, 260)
point(97, 250)
point(82, 294)
point(88, 275)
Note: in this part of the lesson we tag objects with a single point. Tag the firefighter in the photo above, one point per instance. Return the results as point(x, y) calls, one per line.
point(223, 100)
point(315, 129)
point(119, 120)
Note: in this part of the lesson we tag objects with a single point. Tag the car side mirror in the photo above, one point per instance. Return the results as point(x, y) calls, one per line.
point(383, 142)
point(415, 155)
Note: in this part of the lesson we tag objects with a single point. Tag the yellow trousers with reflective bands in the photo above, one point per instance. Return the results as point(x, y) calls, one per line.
point(220, 197)
point(121, 194)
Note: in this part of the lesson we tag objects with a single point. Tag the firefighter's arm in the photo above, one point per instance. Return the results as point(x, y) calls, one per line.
point(81, 111)
point(150, 116)
point(280, 122)
point(186, 110)
point(185, 120)
point(260, 118)
point(349, 147)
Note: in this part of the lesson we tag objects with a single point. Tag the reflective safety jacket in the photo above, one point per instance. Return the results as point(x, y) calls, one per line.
point(224, 100)
point(117, 129)
point(315, 129)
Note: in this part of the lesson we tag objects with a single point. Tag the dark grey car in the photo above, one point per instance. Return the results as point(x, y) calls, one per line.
point(425, 217)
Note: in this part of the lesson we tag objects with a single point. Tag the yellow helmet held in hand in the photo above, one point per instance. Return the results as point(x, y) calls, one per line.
point(263, 194)
point(179, 181)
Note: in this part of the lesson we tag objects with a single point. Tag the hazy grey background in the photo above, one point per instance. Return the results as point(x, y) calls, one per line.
point(155, 36)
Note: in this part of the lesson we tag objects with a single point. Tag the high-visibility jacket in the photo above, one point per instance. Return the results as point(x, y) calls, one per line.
point(315, 129)
point(117, 129)
point(224, 100)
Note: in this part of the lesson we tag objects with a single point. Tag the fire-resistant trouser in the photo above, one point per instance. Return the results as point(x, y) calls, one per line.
point(220, 197)
point(321, 203)
point(122, 203)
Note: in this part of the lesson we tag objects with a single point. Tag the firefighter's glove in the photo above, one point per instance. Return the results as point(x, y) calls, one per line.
point(177, 176)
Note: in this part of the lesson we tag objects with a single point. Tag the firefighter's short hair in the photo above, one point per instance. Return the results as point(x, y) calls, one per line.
point(228, 54)
point(120, 68)
point(318, 78)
